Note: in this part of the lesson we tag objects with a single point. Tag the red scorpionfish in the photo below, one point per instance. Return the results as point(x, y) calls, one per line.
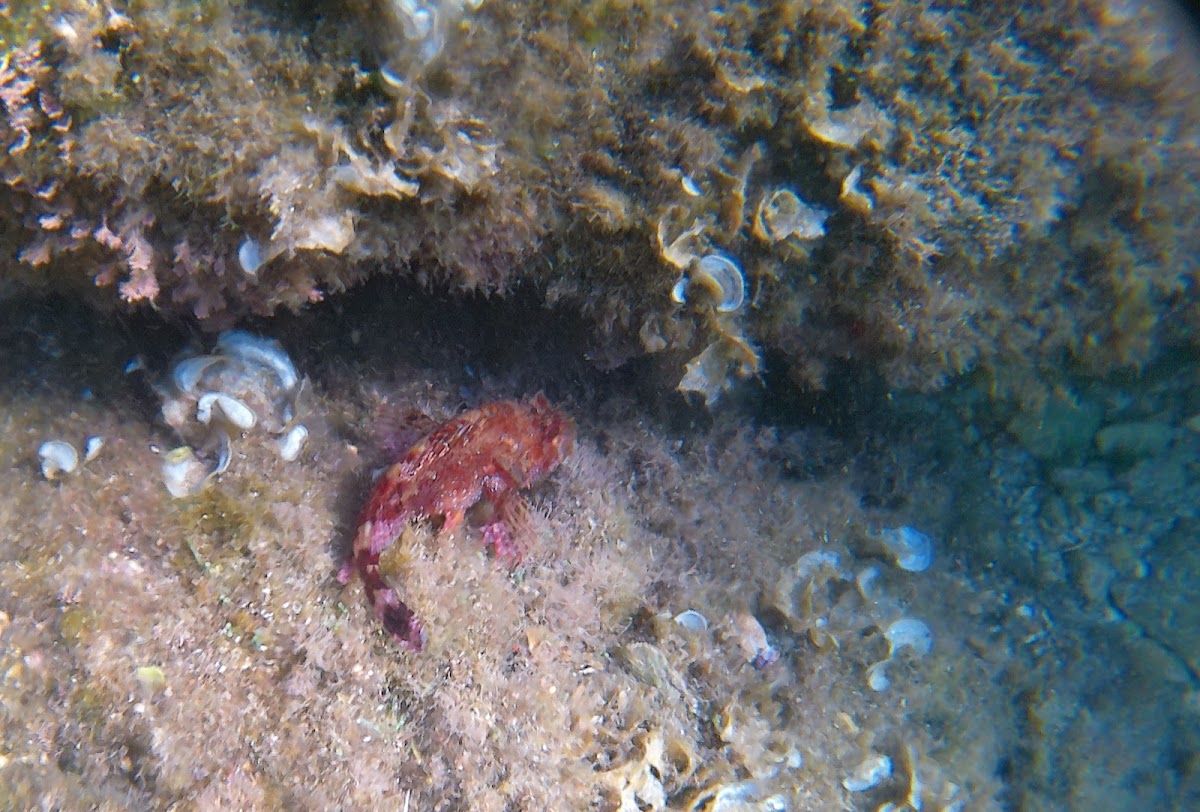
point(489, 453)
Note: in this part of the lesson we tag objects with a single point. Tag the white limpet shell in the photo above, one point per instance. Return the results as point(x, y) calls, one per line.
point(865, 581)
point(811, 563)
point(911, 549)
point(59, 458)
point(250, 257)
point(224, 455)
point(257, 350)
point(870, 773)
point(234, 411)
point(292, 443)
point(720, 276)
point(727, 278)
point(692, 620)
point(679, 292)
point(877, 677)
point(187, 373)
point(905, 633)
point(752, 640)
point(182, 473)
point(908, 632)
point(91, 447)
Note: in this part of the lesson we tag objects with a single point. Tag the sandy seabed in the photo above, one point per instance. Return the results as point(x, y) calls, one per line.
point(198, 653)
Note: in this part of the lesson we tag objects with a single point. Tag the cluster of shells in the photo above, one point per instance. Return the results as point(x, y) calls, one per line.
point(246, 383)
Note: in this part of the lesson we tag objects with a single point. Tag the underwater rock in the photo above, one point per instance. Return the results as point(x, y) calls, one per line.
point(1164, 602)
point(1129, 442)
point(1060, 431)
point(1077, 482)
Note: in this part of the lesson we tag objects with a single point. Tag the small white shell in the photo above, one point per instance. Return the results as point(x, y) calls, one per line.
point(91, 448)
point(877, 677)
point(727, 276)
point(232, 410)
point(911, 549)
point(692, 620)
point(59, 458)
point(186, 374)
point(224, 455)
point(908, 632)
point(262, 351)
point(865, 581)
point(752, 640)
point(814, 562)
point(292, 443)
point(782, 214)
point(250, 257)
point(874, 769)
point(182, 473)
point(737, 796)
point(720, 276)
point(679, 292)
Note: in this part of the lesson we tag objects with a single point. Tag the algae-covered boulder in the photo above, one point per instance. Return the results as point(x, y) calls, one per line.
point(924, 189)
point(1166, 602)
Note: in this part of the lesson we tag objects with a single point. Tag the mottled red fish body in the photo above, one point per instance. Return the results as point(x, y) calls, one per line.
point(489, 453)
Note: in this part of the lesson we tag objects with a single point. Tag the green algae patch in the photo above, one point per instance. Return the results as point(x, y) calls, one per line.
point(77, 625)
point(151, 677)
